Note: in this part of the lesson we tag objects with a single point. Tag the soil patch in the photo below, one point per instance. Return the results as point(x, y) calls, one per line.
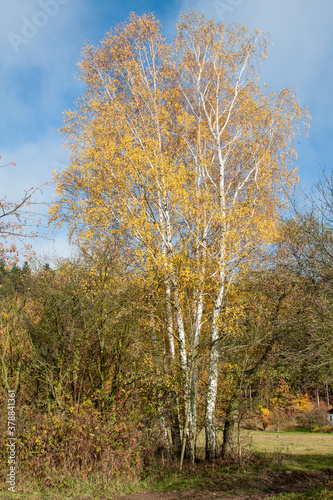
point(263, 485)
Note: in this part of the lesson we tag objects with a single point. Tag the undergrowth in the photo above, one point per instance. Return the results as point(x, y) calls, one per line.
point(53, 449)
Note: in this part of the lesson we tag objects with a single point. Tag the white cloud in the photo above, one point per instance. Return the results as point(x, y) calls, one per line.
point(37, 76)
point(34, 165)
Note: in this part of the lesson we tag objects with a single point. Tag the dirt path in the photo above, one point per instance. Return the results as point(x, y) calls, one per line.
point(255, 487)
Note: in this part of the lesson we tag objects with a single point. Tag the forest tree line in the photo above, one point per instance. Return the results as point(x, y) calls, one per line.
point(93, 331)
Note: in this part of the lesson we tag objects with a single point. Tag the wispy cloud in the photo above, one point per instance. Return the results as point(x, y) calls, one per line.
point(37, 76)
point(40, 45)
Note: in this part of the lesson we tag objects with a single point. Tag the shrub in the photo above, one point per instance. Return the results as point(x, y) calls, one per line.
point(52, 446)
point(312, 418)
point(250, 424)
point(323, 428)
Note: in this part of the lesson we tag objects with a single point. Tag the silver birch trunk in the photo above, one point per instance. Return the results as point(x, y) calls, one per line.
point(171, 278)
point(195, 370)
point(167, 249)
point(210, 428)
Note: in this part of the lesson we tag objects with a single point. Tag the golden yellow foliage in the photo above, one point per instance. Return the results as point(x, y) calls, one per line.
point(180, 154)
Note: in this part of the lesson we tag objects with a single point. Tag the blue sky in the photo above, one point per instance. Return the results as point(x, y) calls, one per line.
point(41, 43)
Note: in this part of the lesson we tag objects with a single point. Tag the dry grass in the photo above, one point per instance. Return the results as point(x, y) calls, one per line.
point(295, 443)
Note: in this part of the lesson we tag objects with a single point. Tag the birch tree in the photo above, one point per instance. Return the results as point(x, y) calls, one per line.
point(180, 154)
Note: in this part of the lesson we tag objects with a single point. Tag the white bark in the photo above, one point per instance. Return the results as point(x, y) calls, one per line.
point(211, 441)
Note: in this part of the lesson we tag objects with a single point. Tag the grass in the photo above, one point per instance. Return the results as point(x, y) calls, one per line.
point(321, 494)
point(268, 451)
point(291, 443)
point(204, 477)
point(77, 488)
